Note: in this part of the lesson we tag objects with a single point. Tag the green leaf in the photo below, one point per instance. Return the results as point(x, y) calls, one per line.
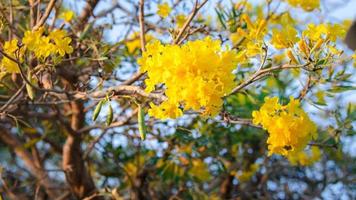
point(342, 88)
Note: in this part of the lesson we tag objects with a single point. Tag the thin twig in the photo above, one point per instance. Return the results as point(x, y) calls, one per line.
point(142, 25)
point(261, 72)
point(9, 102)
point(45, 15)
point(189, 20)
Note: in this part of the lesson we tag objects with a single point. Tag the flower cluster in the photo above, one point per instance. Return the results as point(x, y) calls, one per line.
point(284, 38)
point(316, 41)
point(195, 76)
point(307, 5)
point(324, 32)
point(11, 49)
point(250, 39)
point(289, 127)
point(164, 10)
point(305, 158)
point(43, 46)
point(56, 43)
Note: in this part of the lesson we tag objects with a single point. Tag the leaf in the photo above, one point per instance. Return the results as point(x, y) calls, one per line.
point(341, 88)
point(97, 110)
point(85, 32)
point(141, 122)
point(221, 18)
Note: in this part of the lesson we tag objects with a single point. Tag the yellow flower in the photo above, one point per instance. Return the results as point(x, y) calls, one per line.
point(57, 34)
point(305, 158)
point(67, 15)
point(11, 49)
point(62, 43)
point(180, 20)
point(196, 75)
point(284, 38)
point(164, 10)
point(31, 39)
point(291, 57)
point(43, 46)
point(250, 39)
point(289, 127)
point(324, 31)
point(134, 42)
point(307, 5)
point(284, 19)
point(63, 46)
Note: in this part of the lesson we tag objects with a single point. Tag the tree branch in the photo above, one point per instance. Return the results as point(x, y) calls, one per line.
point(14, 143)
point(45, 15)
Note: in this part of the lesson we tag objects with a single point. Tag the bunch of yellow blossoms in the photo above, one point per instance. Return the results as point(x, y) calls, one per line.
point(316, 39)
point(324, 32)
point(305, 158)
point(289, 127)
point(195, 75)
point(42, 46)
point(250, 39)
point(284, 38)
point(307, 5)
point(11, 49)
point(56, 43)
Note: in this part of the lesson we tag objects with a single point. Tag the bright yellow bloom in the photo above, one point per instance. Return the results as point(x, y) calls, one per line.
point(67, 15)
point(62, 43)
point(250, 40)
point(283, 19)
point(284, 38)
point(63, 46)
point(305, 158)
point(291, 57)
point(307, 5)
point(324, 31)
point(164, 10)
point(195, 75)
point(43, 46)
point(289, 127)
point(134, 42)
point(31, 39)
point(180, 20)
point(11, 49)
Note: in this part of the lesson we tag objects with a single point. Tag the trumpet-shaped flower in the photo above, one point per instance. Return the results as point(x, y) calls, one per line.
point(289, 127)
point(195, 76)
